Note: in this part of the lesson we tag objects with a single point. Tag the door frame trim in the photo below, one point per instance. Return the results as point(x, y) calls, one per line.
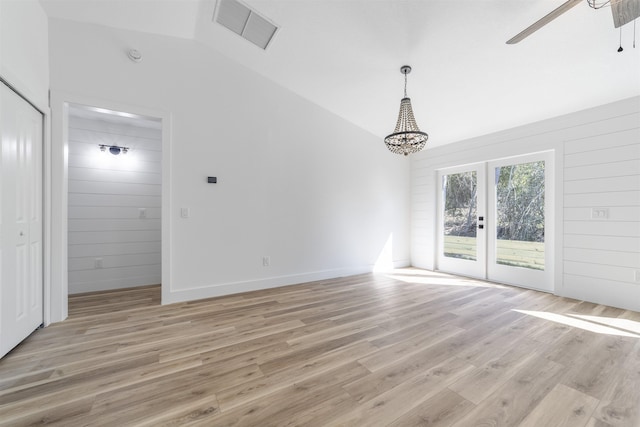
point(554, 194)
point(21, 95)
point(59, 194)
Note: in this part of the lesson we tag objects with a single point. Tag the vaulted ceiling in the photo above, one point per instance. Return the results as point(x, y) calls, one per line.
point(345, 56)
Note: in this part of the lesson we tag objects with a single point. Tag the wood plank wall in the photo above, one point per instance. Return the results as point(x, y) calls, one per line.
point(106, 193)
point(597, 154)
point(602, 173)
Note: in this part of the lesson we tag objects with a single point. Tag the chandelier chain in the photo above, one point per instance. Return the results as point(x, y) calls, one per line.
point(405, 85)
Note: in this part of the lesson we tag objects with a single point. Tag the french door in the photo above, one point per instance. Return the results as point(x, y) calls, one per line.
point(21, 249)
point(462, 206)
point(495, 221)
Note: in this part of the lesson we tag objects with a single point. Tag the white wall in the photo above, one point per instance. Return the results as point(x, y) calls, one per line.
point(318, 195)
point(602, 255)
point(24, 49)
point(106, 193)
point(24, 63)
point(597, 156)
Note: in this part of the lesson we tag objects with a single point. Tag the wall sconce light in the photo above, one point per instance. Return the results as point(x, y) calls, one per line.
point(114, 149)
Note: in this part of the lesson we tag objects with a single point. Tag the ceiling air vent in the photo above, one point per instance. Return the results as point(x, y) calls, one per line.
point(245, 22)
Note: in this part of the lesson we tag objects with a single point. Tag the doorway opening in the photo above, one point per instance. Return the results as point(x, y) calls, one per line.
point(495, 221)
point(114, 200)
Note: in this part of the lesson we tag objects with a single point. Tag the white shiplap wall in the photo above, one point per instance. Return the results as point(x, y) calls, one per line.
point(106, 194)
point(602, 255)
point(597, 165)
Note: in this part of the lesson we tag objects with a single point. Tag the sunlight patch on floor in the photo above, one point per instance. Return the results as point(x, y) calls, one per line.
point(614, 322)
point(426, 277)
point(597, 324)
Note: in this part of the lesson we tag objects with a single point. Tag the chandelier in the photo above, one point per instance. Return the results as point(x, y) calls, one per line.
point(407, 137)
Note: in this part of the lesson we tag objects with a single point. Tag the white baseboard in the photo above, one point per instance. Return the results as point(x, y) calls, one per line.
point(182, 295)
point(623, 295)
point(107, 285)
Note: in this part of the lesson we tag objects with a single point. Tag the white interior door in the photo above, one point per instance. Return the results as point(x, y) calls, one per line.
point(496, 221)
point(21, 280)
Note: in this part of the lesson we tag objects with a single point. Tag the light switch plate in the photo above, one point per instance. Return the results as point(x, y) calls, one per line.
point(184, 212)
point(599, 213)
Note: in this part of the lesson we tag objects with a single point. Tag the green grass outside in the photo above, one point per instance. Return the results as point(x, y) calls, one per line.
point(509, 252)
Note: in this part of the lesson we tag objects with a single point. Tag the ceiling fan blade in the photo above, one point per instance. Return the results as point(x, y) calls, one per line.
point(624, 11)
point(544, 21)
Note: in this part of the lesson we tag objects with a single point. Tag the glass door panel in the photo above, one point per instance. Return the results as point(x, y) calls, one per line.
point(520, 215)
point(460, 193)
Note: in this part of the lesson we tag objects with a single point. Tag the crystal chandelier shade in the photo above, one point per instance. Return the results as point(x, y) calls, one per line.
point(407, 137)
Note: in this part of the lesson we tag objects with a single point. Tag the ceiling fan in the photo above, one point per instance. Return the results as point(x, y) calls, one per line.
point(623, 11)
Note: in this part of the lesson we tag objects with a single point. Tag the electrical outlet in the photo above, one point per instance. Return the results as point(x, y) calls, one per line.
point(142, 213)
point(266, 261)
point(97, 263)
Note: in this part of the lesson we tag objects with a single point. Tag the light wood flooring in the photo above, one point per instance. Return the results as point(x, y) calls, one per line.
point(414, 348)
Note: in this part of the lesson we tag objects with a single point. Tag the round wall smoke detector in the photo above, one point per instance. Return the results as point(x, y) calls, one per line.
point(135, 55)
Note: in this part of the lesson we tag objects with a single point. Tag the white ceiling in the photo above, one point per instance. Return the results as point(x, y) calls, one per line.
point(345, 55)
